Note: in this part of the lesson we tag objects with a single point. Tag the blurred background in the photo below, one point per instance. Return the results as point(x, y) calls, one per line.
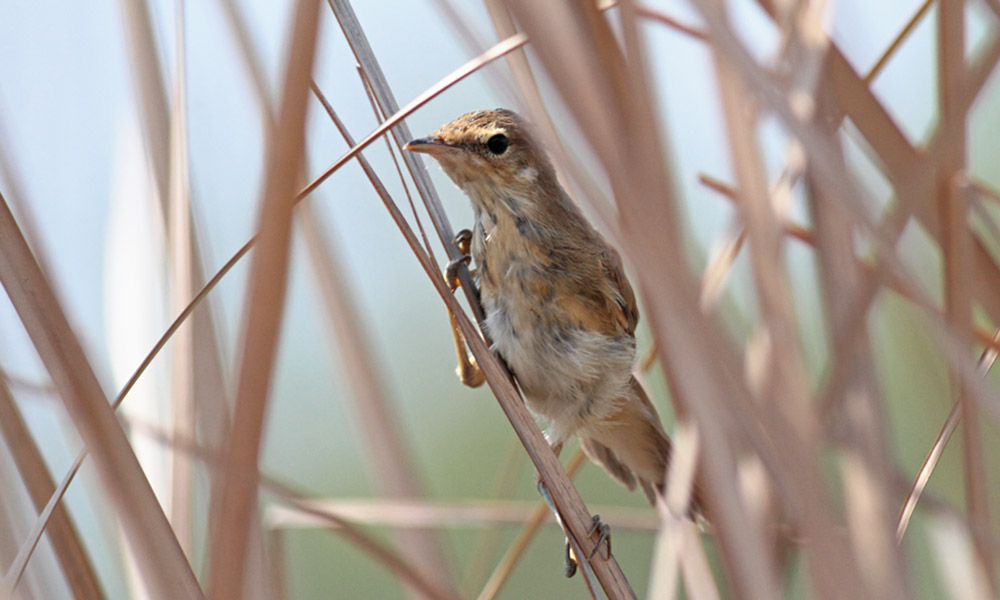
point(75, 164)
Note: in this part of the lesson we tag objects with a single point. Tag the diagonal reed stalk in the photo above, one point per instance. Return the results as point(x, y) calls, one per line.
point(146, 528)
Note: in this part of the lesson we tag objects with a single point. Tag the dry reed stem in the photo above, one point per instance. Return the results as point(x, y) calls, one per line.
point(989, 340)
point(73, 560)
point(382, 91)
point(146, 528)
point(205, 377)
point(380, 117)
point(897, 41)
point(774, 361)
point(22, 383)
point(382, 554)
point(931, 160)
point(155, 119)
point(955, 245)
point(865, 461)
point(22, 206)
point(421, 514)
point(950, 136)
point(912, 171)
point(914, 186)
point(235, 502)
point(148, 83)
point(251, 63)
point(679, 549)
point(807, 236)
point(181, 259)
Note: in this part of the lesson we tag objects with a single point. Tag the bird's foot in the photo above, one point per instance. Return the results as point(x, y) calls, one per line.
point(569, 567)
point(605, 536)
point(463, 241)
point(451, 271)
point(570, 564)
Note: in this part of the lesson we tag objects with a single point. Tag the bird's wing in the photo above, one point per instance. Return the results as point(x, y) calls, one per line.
point(624, 298)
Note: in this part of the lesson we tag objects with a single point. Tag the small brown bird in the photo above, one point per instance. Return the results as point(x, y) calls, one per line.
point(558, 306)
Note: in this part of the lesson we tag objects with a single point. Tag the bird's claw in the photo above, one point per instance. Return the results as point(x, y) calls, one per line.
point(463, 241)
point(451, 271)
point(569, 567)
point(604, 537)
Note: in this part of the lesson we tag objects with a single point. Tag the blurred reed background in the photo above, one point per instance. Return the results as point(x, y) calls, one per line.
point(805, 194)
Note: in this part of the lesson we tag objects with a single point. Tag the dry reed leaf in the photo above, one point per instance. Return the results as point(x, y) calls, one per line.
point(926, 469)
point(489, 542)
point(385, 436)
point(235, 500)
point(147, 531)
point(470, 67)
point(73, 560)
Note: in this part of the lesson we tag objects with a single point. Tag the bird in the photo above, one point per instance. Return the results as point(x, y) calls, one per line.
point(558, 306)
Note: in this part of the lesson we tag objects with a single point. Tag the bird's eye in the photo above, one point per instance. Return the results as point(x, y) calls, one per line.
point(497, 144)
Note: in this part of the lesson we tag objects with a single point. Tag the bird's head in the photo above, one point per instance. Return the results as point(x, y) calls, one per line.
point(487, 148)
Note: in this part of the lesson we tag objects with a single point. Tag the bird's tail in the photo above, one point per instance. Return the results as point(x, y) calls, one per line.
point(632, 446)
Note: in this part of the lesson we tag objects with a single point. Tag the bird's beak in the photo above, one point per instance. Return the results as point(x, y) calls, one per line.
point(432, 145)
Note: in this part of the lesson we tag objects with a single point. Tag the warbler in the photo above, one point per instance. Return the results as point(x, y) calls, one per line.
point(559, 308)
